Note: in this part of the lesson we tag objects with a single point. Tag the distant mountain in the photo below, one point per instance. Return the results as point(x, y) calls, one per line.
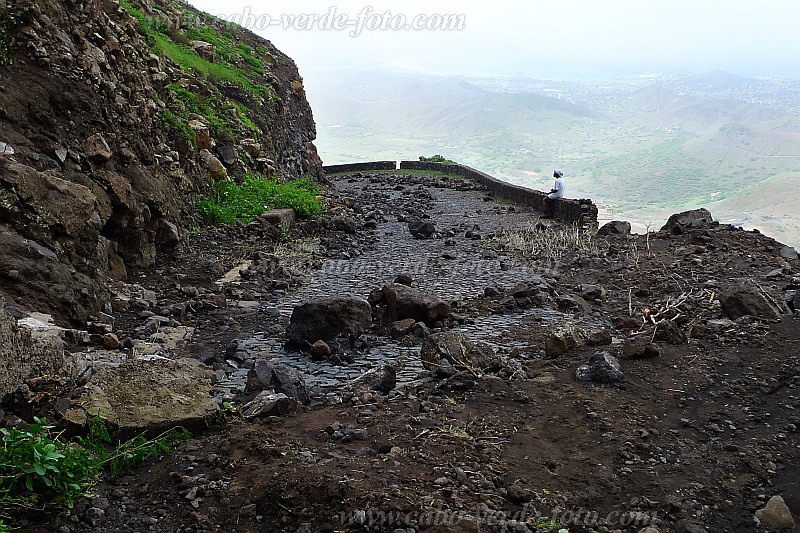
point(656, 106)
point(772, 205)
point(439, 106)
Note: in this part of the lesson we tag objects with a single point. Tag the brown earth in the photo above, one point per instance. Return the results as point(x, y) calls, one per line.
point(698, 437)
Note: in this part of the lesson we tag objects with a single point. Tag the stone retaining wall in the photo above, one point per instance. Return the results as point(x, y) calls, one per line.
point(355, 167)
point(580, 210)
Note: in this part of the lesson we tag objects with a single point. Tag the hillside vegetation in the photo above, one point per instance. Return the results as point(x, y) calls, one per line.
point(115, 118)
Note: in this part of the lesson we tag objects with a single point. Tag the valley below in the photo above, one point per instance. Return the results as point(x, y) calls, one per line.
point(641, 146)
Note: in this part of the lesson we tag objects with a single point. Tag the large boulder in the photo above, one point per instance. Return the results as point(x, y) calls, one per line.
point(268, 403)
point(63, 207)
point(789, 253)
point(776, 515)
point(382, 379)
point(744, 299)
point(34, 275)
point(97, 148)
point(447, 353)
point(328, 319)
point(680, 222)
point(150, 395)
point(615, 227)
point(406, 302)
point(214, 166)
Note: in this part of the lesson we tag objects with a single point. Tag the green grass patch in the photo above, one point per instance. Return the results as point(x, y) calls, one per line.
point(244, 117)
point(229, 202)
point(174, 45)
point(40, 470)
point(175, 126)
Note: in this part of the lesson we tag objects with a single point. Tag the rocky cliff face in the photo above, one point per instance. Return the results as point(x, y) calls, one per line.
point(114, 117)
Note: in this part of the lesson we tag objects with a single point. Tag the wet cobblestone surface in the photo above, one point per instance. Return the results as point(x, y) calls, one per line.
point(456, 271)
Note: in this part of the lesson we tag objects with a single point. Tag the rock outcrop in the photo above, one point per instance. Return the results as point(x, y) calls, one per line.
point(105, 110)
point(23, 356)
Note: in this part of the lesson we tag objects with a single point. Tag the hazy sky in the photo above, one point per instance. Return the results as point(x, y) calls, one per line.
point(571, 38)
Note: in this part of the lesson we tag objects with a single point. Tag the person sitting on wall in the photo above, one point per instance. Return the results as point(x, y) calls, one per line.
point(548, 202)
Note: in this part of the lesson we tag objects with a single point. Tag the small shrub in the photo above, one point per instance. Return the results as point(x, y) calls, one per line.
point(39, 470)
point(229, 202)
point(436, 159)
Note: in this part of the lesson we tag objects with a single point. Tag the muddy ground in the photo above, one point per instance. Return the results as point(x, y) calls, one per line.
point(696, 438)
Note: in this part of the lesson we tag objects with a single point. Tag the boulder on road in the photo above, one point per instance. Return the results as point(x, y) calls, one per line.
point(328, 319)
point(421, 229)
point(403, 302)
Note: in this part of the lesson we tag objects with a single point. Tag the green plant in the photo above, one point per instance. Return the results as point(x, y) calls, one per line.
point(230, 202)
point(39, 469)
point(436, 159)
point(10, 18)
point(545, 524)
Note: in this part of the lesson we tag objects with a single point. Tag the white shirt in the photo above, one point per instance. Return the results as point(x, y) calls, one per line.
point(560, 187)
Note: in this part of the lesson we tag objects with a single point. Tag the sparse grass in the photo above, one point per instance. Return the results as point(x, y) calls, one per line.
point(176, 126)
point(553, 243)
point(230, 202)
point(244, 117)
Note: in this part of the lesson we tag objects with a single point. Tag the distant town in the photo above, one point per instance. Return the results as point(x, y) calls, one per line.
point(779, 93)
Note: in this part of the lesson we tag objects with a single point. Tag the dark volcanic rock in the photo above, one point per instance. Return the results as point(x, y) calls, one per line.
point(615, 227)
point(744, 299)
point(382, 379)
point(406, 302)
point(421, 229)
point(680, 222)
point(640, 348)
point(601, 368)
point(442, 352)
point(282, 378)
point(328, 319)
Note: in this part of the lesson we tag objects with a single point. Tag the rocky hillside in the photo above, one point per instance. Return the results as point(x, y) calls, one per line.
point(114, 117)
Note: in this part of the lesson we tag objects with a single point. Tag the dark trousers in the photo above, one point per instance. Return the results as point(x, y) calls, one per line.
point(549, 207)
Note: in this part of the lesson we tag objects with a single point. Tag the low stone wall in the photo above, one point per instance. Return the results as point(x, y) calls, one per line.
point(355, 167)
point(580, 210)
